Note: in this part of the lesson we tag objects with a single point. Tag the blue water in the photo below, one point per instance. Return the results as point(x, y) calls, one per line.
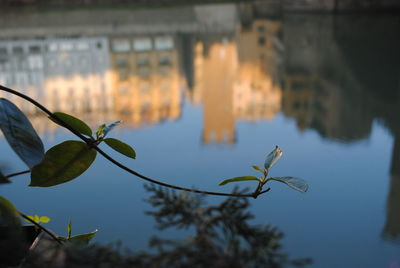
point(346, 158)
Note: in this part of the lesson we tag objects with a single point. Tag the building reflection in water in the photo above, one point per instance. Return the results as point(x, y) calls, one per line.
point(236, 61)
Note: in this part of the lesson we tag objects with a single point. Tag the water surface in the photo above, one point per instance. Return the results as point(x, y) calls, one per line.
point(204, 93)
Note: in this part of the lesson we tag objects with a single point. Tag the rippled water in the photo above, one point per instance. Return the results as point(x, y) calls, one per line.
point(204, 93)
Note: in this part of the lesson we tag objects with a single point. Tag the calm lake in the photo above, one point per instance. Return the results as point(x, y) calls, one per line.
point(206, 91)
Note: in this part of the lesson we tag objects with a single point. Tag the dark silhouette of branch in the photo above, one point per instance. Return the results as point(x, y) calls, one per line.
point(40, 227)
point(17, 173)
point(115, 162)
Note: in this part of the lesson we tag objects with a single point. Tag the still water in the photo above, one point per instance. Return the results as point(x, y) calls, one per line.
point(205, 92)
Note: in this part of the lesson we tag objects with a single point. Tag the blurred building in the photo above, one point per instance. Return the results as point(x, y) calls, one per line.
point(146, 82)
point(237, 78)
point(64, 74)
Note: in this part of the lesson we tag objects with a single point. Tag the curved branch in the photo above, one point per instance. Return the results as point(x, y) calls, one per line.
point(40, 227)
point(115, 162)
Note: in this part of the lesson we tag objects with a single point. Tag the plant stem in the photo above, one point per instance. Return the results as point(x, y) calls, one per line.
point(40, 227)
point(115, 162)
point(17, 173)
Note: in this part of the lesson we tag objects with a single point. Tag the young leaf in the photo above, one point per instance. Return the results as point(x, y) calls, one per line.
point(44, 219)
point(20, 134)
point(295, 183)
point(62, 163)
point(258, 168)
point(273, 157)
point(73, 122)
point(100, 130)
point(83, 238)
point(34, 218)
point(110, 127)
point(69, 229)
point(121, 147)
point(244, 178)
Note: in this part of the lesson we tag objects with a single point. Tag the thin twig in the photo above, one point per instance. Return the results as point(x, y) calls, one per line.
point(115, 162)
point(17, 173)
point(40, 227)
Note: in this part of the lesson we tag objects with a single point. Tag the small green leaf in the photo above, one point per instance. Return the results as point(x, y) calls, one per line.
point(44, 219)
point(69, 229)
point(110, 127)
point(295, 183)
point(83, 238)
point(273, 157)
point(62, 163)
point(35, 218)
point(73, 122)
point(20, 134)
point(244, 178)
point(100, 130)
point(258, 169)
point(121, 147)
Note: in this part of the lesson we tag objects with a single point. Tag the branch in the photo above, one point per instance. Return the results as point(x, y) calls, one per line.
point(41, 227)
point(17, 173)
point(115, 162)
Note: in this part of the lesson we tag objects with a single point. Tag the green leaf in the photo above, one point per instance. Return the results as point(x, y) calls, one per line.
point(295, 183)
point(73, 122)
point(110, 127)
point(258, 169)
point(44, 219)
point(83, 238)
point(9, 217)
point(100, 130)
point(4, 203)
point(244, 178)
point(33, 218)
point(62, 163)
point(69, 229)
point(273, 157)
point(121, 147)
point(20, 134)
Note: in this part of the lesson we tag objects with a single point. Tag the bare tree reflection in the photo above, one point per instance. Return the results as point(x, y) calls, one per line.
point(223, 237)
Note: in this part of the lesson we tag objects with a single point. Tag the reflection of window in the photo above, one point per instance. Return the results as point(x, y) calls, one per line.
point(164, 43)
point(122, 62)
point(164, 60)
point(144, 72)
point(17, 50)
point(261, 40)
point(121, 46)
point(143, 60)
point(34, 49)
point(3, 51)
point(142, 44)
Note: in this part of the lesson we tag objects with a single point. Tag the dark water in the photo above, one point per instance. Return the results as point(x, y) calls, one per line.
point(204, 93)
